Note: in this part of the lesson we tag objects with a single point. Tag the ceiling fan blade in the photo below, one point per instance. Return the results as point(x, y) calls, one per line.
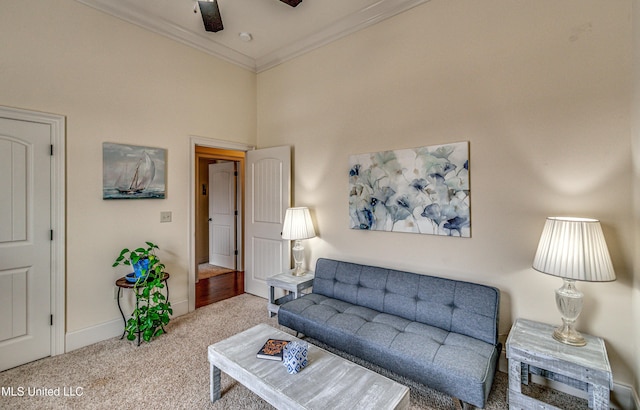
point(292, 3)
point(211, 15)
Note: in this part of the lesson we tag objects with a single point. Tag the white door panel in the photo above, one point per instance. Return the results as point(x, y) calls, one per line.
point(268, 185)
point(25, 245)
point(222, 218)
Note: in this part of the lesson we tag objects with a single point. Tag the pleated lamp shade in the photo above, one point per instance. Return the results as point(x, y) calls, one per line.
point(574, 248)
point(297, 224)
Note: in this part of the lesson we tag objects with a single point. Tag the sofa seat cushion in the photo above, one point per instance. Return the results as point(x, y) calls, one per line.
point(438, 358)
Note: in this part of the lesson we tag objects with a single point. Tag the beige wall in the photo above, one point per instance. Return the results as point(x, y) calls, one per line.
point(541, 91)
point(202, 211)
point(635, 138)
point(115, 82)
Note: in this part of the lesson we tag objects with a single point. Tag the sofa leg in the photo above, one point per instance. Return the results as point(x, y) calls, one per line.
point(464, 405)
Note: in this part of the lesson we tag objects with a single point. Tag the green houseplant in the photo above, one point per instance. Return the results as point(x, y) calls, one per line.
point(152, 308)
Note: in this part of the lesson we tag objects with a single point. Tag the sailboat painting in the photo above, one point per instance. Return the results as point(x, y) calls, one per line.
point(133, 172)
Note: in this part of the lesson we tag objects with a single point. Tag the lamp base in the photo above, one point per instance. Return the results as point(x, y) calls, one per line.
point(569, 303)
point(568, 335)
point(298, 257)
point(298, 272)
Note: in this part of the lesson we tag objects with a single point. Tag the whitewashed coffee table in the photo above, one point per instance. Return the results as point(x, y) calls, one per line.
point(328, 381)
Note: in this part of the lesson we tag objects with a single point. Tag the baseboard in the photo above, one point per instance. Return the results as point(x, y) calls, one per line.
point(625, 397)
point(180, 308)
point(94, 334)
point(622, 397)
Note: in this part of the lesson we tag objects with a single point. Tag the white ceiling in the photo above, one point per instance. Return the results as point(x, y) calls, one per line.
point(279, 32)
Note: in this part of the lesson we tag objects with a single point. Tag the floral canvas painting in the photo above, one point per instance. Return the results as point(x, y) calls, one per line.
point(133, 172)
point(422, 190)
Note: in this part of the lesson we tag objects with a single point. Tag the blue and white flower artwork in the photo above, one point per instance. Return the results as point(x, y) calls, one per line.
point(422, 190)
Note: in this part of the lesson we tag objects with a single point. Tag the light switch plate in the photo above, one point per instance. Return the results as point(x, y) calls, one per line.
point(165, 216)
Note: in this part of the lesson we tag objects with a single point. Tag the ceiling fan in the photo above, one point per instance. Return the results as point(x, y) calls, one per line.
point(211, 13)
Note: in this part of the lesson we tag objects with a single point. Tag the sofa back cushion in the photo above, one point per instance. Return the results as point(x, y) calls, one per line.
point(462, 307)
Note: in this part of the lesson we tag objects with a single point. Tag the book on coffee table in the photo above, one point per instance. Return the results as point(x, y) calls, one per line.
point(272, 349)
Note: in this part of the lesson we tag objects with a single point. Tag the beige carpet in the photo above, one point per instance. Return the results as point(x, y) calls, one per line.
point(206, 270)
point(172, 372)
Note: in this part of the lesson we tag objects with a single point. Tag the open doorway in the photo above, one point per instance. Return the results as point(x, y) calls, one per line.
point(264, 193)
point(219, 197)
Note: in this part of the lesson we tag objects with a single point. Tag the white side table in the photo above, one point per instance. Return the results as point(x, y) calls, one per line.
point(294, 284)
point(532, 350)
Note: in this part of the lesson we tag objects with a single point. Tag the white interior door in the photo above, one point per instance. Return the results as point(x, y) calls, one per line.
point(222, 214)
point(25, 242)
point(268, 186)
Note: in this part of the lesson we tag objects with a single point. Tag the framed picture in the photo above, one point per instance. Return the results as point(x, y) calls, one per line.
point(422, 190)
point(133, 172)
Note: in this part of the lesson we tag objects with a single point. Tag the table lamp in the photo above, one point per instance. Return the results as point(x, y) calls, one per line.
point(297, 226)
point(573, 249)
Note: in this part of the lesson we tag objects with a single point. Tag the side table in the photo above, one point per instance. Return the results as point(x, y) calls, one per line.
point(532, 350)
point(294, 284)
point(123, 283)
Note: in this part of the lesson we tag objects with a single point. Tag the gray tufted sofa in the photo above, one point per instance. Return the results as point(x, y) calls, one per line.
point(439, 332)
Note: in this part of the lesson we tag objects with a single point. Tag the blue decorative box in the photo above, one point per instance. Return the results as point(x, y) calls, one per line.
point(294, 356)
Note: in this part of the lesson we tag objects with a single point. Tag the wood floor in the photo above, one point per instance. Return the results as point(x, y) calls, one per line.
point(219, 287)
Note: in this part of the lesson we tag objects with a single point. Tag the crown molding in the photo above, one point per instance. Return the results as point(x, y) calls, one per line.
point(377, 12)
point(369, 16)
point(166, 28)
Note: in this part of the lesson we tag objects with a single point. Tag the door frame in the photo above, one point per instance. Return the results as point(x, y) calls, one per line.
point(57, 124)
point(191, 243)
